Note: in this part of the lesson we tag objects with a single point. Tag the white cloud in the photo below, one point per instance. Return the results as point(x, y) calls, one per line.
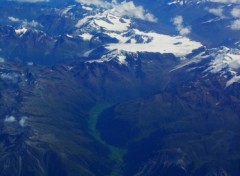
point(235, 12)
point(30, 1)
point(9, 76)
point(178, 20)
point(32, 23)
point(30, 63)
point(24, 22)
point(2, 60)
point(122, 9)
point(131, 10)
point(216, 11)
point(226, 1)
point(10, 119)
point(22, 121)
point(183, 30)
point(235, 25)
point(13, 19)
point(99, 3)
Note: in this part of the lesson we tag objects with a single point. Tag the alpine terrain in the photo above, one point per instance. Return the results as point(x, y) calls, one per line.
point(119, 88)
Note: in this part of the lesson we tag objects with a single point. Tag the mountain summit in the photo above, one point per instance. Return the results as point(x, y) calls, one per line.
point(119, 88)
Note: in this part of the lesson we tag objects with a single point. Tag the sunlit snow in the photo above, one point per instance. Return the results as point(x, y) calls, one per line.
point(179, 46)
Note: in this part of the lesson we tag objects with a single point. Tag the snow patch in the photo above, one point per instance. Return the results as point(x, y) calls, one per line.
point(179, 46)
point(87, 8)
point(82, 21)
point(21, 31)
point(104, 21)
point(66, 10)
point(234, 79)
point(113, 23)
point(119, 56)
point(86, 36)
point(225, 61)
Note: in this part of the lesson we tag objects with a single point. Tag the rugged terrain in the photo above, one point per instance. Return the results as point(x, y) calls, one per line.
point(119, 88)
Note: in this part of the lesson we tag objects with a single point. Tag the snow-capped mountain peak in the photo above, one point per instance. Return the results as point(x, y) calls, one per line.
point(21, 31)
point(226, 62)
point(104, 21)
point(115, 55)
point(129, 38)
point(224, 58)
point(183, 2)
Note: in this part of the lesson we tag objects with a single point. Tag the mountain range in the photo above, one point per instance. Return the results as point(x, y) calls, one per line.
point(121, 88)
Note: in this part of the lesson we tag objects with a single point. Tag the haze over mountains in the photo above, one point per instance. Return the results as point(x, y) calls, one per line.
point(120, 88)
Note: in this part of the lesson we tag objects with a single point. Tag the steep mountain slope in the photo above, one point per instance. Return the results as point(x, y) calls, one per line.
point(108, 88)
point(45, 111)
point(35, 135)
point(190, 128)
point(85, 33)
